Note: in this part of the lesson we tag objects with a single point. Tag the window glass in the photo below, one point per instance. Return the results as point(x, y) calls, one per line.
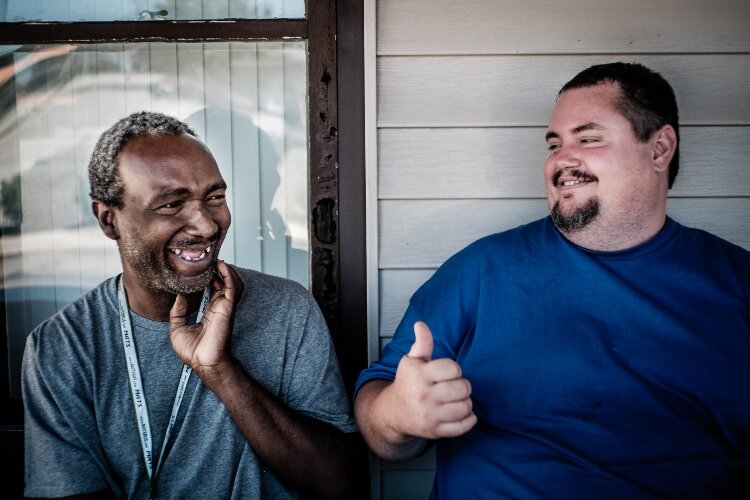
point(246, 101)
point(134, 10)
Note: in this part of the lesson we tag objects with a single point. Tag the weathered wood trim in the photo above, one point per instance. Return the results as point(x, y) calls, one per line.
point(323, 134)
point(225, 30)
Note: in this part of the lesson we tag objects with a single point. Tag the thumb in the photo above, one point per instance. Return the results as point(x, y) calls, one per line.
point(422, 347)
point(178, 313)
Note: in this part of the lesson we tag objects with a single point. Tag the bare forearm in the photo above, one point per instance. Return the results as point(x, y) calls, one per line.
point(313, 457)
point(374, 414)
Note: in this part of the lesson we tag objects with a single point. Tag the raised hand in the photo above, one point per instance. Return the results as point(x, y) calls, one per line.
point(204, 346)
point(430, 398)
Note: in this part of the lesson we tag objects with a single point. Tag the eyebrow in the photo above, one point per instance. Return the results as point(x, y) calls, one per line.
point(577, 130)
point(182, 191)
point(587, 126)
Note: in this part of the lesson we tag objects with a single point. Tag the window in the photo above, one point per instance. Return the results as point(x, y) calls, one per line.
point(246, 100)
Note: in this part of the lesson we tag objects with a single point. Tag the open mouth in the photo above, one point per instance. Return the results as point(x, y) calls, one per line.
point(572, 178)
point(571, 183)
point(191, 255)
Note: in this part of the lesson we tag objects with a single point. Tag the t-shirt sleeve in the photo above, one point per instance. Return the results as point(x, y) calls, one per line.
point(57, 461)
point(317, 389)
point(447, 303)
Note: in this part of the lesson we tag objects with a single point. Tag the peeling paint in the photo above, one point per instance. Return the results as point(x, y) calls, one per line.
point(326, 78)
point(324, 272)
point(324, 220)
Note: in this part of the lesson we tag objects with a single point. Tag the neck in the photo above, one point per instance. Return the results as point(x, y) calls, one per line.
point(614, 236)
point(154, 305)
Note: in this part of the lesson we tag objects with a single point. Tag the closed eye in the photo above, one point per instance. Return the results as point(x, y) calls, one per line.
point(217, 199)
point(170, 208)
point(589, 140)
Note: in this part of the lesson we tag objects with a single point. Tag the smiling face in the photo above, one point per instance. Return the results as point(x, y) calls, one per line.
point(606, 190)
point(174, 216)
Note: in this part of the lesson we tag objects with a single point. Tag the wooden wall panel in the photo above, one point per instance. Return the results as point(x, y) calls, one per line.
point(507, 162)
point(468, 91)
point(568, 26)
point(423, 234)
point(396, 287)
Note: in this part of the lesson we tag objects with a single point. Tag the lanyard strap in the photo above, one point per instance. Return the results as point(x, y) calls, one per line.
point(136, 383)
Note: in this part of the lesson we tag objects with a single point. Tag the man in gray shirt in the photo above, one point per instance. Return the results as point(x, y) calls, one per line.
point(111, 406)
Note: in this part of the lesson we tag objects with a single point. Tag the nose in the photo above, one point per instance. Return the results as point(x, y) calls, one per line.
point(567, 157)
point(199, 220)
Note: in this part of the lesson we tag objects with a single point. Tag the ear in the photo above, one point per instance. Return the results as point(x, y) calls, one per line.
point(105, 215)
point(664, 143)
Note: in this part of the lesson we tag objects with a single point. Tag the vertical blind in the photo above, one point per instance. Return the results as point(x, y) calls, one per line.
point(246, 101)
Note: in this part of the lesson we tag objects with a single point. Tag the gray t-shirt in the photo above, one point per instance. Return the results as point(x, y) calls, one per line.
point(80, 425)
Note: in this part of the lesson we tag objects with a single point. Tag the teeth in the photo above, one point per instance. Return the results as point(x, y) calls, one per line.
point(178, 253)
point(570, 183)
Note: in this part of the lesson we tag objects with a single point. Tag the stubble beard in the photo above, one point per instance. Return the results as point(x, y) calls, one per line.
point(576, 220)
point(158, 277)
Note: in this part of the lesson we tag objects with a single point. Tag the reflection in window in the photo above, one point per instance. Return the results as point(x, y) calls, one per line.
point(146, 10)
point(247, 101)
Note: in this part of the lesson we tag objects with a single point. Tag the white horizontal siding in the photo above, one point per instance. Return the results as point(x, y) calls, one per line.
point(562, 26)
point(507, 162)
point(469, 91)
point(424, 233)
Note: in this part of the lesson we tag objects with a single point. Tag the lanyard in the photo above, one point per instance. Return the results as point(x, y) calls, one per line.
point(136, 384)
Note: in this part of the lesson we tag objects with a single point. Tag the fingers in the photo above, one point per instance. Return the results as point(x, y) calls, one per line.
point(434, 411)
point(453, 429)
point(442, 370)
point(423, 344)
point(452, 391)
point(452, 413)
point(226, 283)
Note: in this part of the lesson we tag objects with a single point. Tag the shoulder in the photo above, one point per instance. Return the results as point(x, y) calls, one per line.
point(265, 287)
point(79, 319)
point(711, 244)
point(525, 234)
point(272, 300)
point(64, 349)
point(714, 256)
point(503, 253)
point(503, 247)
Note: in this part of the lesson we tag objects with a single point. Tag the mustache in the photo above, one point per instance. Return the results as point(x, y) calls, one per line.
point(186, 242)
point(579, 174)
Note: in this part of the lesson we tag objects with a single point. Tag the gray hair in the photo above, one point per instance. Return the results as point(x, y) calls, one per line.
point(106, 185)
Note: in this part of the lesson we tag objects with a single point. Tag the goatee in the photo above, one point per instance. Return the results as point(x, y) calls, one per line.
point(578, 219)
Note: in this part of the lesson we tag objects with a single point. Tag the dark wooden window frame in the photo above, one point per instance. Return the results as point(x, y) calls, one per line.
point(333, 30)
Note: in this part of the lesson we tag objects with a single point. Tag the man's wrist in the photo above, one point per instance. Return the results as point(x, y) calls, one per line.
point(220, 374)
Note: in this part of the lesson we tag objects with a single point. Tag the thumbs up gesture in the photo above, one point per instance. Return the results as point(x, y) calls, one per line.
point(432, 398)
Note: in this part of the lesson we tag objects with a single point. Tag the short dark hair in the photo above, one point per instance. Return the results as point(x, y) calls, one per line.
point(106, 185)
point(647, 100)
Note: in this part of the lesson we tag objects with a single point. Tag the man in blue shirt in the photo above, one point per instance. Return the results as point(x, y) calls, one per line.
point(603, 351)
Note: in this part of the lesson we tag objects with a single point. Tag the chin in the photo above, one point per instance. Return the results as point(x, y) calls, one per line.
point(175, 283)
point(574, 218)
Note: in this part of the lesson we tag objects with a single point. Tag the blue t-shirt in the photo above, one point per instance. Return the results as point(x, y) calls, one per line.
point(594, 374)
